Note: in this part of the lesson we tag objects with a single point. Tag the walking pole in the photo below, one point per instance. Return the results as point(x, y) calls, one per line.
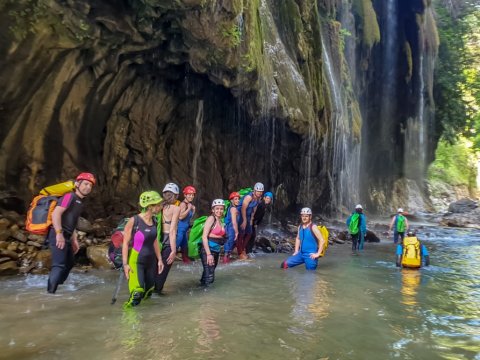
point(119, 285)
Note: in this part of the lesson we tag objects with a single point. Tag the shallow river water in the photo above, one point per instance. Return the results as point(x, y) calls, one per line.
point(352, 307)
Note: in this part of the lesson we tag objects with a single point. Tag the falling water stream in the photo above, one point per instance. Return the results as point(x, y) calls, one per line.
point(197, 141)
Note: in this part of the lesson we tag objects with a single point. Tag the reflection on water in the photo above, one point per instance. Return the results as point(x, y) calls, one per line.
point(352, 307)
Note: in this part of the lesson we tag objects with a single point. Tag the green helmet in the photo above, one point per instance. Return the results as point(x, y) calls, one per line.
point(149, 198)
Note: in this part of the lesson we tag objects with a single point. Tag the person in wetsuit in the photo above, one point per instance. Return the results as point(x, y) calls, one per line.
point(213, 238)
point(232, 221)
point(169, 222)
point(247, 210)
point(187, 210)
point(144, 260)
point(308, 244)
point(62, 236)
point(262, 207)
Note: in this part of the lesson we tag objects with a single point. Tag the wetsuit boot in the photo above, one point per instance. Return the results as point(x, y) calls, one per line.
point(226, 259)
point(185, 258)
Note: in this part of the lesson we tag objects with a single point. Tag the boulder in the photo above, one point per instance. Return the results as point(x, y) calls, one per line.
point(462, 206)
point(35, 244)
point(5, 234)
point(20, 236)
point(3, 244)
point(9, 268)
point(9, 253)
point(84, 225)
point(43, 260)
point(371, 237)
point(469, 219)
point(4, 224)
point(98, 257)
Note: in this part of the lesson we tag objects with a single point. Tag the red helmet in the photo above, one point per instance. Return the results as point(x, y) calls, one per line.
point(233, 195)
point(189, 190)
point(86, 176)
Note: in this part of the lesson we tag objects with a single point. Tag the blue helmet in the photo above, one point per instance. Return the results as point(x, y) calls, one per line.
point(268, 194)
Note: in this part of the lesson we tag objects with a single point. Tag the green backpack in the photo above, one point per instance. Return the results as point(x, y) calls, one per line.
point(354, 225)
point(401, 226)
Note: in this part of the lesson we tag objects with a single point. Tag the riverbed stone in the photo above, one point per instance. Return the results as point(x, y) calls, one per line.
point(43, 260)
point(35, 244)
point(20, 236)
point(98, 256)
point(462, 206)
point(84, 225)
point(12, 246)
point(4, 224)
point(5, 234)
point(9, 268)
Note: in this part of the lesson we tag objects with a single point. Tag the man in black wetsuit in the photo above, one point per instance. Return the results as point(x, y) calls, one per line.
point(62, 236)
point(257, 219)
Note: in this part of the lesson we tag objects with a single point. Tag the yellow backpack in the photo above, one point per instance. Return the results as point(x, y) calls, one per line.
point(411, 257)
point(324, 231)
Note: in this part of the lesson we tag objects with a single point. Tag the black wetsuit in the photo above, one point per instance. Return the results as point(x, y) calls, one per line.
point(257, 219)
point(62, 259)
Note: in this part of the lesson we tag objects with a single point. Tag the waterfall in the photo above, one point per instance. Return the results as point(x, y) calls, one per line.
point(197, 141)
point(346, 154)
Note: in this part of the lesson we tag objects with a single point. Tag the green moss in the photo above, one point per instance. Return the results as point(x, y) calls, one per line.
point(233, 35)
point(369, 23)
point(408, 56)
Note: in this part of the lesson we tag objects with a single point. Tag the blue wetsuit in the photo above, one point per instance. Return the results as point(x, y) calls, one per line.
point(230, 244)
point(251, 205)
point(182, 229)
point(308, 246)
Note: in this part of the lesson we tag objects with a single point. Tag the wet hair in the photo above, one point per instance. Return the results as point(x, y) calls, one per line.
point(169, 197)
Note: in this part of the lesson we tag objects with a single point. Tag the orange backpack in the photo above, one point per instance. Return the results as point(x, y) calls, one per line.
point(39, 214)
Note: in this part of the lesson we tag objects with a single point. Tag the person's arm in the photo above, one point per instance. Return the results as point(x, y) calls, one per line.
point(253, 214)
point(363, 224)
point(320, 240)
point(348, 220)
point(75, 245)
point(206, 231)
point(297, 242)
point(245, 203)
point(156, 247)
point(127, 235)
point(57, 226)
point(407, 226)
point(173, 234)
point(184, 209)
point(233, 214)
point(391, 224)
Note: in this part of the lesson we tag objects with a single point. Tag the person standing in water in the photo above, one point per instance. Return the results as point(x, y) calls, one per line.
point(400, 225)
point(169, 220)
point(357, 228)
point(187, 210)
point(232, 221)
point(247, 209)
point(213, 238)
point(260, 211)
point(308, 243)
point(62, 235)
point(144, 261)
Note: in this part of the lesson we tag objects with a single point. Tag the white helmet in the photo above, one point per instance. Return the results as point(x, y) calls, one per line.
point(306, 211)
point(258, 187)
point(400, 210)
point(218, 202)
point(172, 188)
point(358, 206)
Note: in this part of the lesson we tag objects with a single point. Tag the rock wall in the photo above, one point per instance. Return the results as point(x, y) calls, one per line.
point(216, 93)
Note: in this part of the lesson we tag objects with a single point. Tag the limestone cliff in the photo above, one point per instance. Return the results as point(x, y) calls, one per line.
point(216, 93)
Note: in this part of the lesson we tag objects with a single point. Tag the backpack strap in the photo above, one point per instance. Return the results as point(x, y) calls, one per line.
point(213, 226)
point(135, 226)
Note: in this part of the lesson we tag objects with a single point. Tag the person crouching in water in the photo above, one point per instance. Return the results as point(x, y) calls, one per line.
point(62, 236)
point(411, 253)
point(213, 238)
point(308, 244)
point(169, 220)
point(144, 260)
point(187, 210)
point(232, 220)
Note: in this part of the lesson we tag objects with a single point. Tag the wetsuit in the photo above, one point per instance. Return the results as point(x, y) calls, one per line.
point(62, 259)
point(245, 235)
point(166, 250)
point(230, 243)
point(142, 260)
point(215, 244)
point(308, 246)
point(358, 239)
point(182, 229)
point(257, 219)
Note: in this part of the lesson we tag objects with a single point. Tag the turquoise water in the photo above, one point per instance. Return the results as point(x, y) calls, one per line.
point(353, 307)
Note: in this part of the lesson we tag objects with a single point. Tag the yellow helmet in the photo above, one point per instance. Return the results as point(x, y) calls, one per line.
point(149, 198)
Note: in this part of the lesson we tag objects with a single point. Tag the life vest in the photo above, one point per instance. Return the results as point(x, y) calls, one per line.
point(411, 256)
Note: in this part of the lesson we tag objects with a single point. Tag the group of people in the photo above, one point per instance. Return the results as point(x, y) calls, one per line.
point(152, 237)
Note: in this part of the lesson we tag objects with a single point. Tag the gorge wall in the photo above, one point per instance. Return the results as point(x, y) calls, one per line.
point(220, 94)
